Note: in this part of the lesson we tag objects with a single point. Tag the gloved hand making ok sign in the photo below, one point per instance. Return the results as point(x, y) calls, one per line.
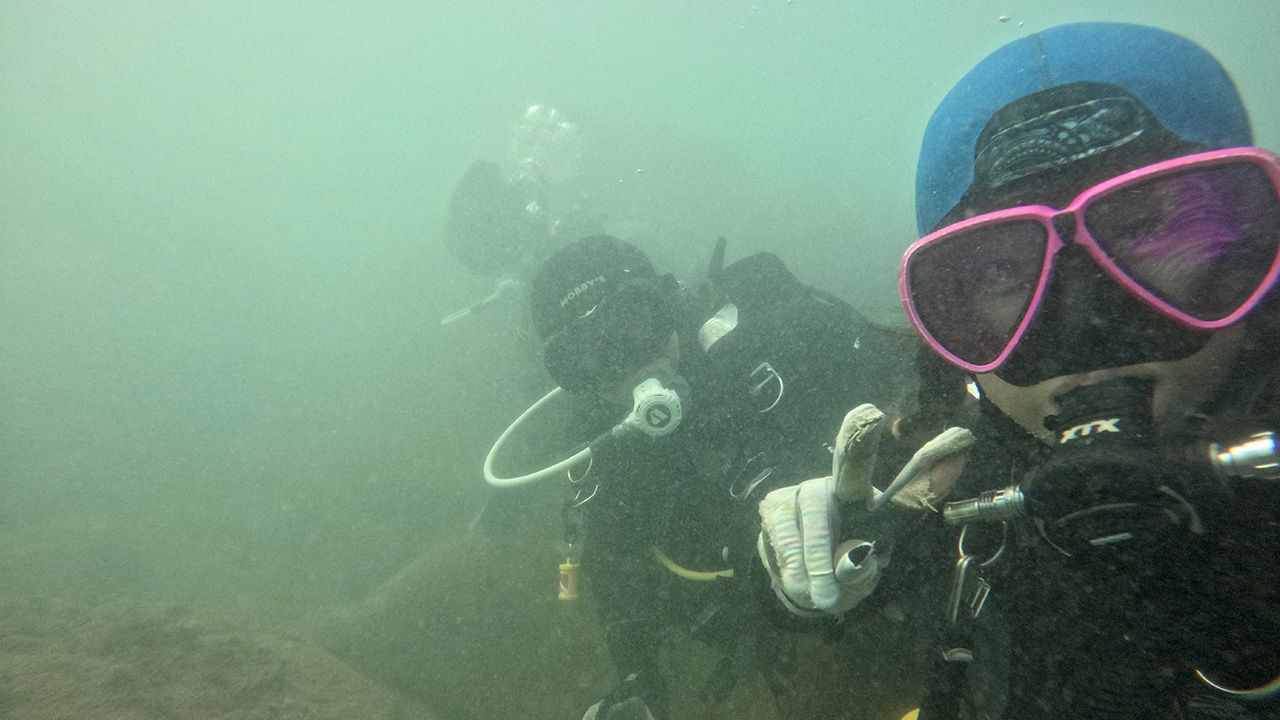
point(813, 570)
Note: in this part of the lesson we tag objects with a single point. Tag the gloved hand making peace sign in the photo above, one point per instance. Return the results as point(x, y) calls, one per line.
point(813, 570)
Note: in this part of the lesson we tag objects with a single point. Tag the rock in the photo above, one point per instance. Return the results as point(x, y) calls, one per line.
point(132, 660)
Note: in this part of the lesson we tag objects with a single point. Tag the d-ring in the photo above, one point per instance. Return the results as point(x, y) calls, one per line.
point(1004, 540)
point(770, 375)
point(759, 478)
point(576, 503)
point(569, 472)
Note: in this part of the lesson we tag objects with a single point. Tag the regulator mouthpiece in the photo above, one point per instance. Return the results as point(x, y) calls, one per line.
point(1115, 410)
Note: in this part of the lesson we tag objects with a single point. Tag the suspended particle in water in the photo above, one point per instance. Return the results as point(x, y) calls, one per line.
point(1004, 18)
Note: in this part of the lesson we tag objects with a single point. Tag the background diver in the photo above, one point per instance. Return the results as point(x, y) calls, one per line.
point(762, 368)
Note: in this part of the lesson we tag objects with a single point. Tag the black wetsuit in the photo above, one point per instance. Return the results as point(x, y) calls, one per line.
point(1110, 631)
point(693, 495)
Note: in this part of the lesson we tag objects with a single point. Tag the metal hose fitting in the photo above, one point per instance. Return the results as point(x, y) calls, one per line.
point(992, 505)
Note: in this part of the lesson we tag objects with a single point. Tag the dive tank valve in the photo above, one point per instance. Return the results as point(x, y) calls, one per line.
point(657, 409)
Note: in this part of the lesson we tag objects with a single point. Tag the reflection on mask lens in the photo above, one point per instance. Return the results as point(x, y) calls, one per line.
point(972, 290)
point(1201, 240)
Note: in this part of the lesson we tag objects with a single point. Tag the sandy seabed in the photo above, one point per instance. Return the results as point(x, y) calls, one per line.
point(122, 659)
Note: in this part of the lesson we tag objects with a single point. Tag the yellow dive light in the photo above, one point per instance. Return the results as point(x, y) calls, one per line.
point(569, 580)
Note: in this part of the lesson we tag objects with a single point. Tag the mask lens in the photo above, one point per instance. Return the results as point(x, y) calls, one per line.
point(1202, 240)
point(578, 359)
point(972, 289)
point(622, 333)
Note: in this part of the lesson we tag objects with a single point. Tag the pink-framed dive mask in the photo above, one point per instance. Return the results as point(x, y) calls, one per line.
point(1196, 238)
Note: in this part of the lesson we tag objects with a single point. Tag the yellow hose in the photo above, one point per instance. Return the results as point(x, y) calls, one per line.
point(686, 573)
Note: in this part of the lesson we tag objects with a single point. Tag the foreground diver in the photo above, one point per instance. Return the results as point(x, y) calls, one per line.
point(1099, 265)
point(761, 368)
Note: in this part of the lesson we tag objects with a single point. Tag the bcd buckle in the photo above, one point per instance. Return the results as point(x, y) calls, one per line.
point(763, 377)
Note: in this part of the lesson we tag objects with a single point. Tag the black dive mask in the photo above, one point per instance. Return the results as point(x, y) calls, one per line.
point(1087, 322)
point(623, 332)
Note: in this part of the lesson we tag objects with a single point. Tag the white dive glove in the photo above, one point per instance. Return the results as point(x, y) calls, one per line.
point(813, 572)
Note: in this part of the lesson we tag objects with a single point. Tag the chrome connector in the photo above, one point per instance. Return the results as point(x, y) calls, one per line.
point(1254, 458)
point(992, 505)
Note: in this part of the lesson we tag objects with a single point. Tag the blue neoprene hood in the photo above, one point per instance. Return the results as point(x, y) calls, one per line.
point(1186, 88)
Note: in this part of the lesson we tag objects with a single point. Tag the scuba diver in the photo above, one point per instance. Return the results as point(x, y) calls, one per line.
point(502, 224)
point(731, 385)
point(1098, 267)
